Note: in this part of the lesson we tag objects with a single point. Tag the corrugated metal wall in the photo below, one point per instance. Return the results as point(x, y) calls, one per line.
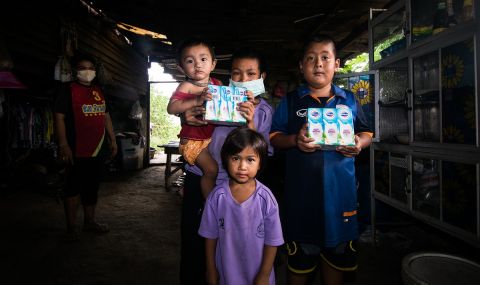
point(32, 37)
point(31, 32)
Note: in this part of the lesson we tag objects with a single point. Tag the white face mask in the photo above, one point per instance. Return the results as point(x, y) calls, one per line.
point(86, 75)
point(256, 86)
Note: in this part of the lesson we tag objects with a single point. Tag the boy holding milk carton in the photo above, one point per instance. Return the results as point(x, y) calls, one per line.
point(320, 203)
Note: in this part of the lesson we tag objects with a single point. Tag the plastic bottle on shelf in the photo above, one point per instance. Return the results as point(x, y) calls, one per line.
point(467, 12)
point(440, 21)
point(452, 20)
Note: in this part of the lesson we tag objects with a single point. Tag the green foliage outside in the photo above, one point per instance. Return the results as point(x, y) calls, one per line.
point(356, 64)
point(360, 62)
point(385, 44)
point(164, 127)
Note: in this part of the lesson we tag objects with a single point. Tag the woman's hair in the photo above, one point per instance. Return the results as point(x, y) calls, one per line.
point(191, 42)
point(79, 57)
point(250, 52)
point(318, 39)
point(241, 138)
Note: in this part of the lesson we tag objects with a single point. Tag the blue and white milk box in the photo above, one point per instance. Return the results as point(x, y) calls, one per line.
point(315, 125)
point(222, 109)
point(345, 126)
point(330, 125)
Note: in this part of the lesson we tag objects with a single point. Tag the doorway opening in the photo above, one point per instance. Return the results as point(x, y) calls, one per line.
point(163, 127)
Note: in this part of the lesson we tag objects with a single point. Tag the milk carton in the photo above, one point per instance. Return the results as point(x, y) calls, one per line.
point(345, 125)
point(222, 109)
point(315, 124)
point(331, 132)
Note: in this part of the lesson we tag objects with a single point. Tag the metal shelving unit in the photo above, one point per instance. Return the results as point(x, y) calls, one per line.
point(425, 159)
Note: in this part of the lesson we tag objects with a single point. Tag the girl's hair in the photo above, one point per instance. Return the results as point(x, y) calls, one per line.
point(318, 39)
point(241, 138)
point(250, 52)
point(191, 42)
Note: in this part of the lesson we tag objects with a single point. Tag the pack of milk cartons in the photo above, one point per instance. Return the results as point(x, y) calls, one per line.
point(331, 127)
point(222, 109)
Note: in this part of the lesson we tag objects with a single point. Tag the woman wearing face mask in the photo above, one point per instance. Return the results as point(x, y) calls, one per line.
point(82, 124)
point(247, 70)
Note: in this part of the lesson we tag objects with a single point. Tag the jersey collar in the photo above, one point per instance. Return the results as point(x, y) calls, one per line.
point(337, 91)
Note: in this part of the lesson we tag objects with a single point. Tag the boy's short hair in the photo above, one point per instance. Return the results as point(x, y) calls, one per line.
point(241, 138)
point(190, 42)
point(250, 52)
point(320, 38)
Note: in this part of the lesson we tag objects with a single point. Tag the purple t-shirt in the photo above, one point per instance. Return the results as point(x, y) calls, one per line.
point(242, 231)
point(262, 120)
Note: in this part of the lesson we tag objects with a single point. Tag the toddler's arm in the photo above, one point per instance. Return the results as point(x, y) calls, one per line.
point(263, 274)
point(179, 106)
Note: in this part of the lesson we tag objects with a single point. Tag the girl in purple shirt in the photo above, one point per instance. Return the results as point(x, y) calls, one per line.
point(241, 221)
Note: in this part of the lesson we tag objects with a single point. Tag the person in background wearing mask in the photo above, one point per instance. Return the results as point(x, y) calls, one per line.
point(83, 125)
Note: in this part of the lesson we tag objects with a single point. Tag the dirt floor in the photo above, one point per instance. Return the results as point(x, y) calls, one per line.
point(143, 245)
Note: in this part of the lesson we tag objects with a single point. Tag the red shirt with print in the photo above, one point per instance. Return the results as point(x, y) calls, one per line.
point(88, 107)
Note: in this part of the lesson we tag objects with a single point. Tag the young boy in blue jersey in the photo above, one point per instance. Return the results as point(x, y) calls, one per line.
point(320, 203)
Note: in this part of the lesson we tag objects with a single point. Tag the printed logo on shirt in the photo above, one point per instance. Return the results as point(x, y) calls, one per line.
point(221, 223)
point(302, 113)
point(96, 95)
point(260, 231)
point(94, 109)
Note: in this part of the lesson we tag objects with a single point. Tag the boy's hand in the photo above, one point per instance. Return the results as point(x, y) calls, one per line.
point(351, 151)
point(190, 116)
point(304, 143)
point(247, 110)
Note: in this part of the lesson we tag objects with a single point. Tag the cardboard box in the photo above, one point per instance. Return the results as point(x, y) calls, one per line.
point(331, 127)
point(222, 109)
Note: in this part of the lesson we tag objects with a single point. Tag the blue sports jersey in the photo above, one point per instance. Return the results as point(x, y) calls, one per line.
point(320, 193)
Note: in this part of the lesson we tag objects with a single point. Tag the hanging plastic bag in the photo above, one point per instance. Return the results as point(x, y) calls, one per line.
point(63, 70)
point(136, 112)
point(68, 34)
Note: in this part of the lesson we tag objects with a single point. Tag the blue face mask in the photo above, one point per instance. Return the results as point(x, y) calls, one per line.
point(256, 86)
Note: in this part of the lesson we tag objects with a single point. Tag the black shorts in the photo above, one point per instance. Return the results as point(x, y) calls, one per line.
point(303, 258)
point(83, 177)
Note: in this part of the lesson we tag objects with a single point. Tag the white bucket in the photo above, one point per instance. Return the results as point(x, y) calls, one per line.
point(431, 268)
